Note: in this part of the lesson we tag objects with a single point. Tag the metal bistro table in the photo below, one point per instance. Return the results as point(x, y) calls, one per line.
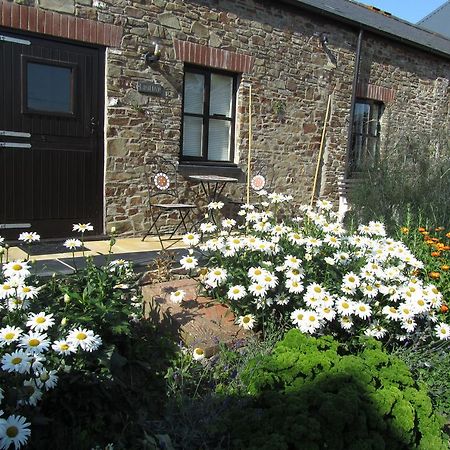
point(212, 185)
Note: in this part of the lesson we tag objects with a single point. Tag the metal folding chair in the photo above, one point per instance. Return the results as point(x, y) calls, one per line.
point(163, 196)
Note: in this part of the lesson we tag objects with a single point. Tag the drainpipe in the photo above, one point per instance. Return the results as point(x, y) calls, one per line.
point(352, 106)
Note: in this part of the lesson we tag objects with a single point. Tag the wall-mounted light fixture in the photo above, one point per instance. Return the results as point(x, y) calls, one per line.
point(323, 38)
point(154, 54)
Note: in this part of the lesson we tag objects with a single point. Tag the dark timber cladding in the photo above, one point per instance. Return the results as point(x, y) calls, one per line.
point(51, 138)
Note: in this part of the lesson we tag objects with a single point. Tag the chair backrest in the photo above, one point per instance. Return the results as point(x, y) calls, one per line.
point(161, 177)
point(261, 176)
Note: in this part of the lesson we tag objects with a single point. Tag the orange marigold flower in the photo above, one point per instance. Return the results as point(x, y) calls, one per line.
point(434, 275)
point(439, 229)
point(448, 234)
point(445, 267)
point(425, 233)
point(444, 308)
point(422, 230)
point(435, 239)
point(440, 246)
point(404, 230)
point(446, 248)
point(435, 254)
point(416, 273)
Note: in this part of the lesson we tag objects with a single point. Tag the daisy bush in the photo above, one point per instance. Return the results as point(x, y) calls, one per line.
point(58, 336)
point(301, 268)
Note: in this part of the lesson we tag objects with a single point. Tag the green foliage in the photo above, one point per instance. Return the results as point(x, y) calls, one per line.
point(312, 393)
point(412, 176)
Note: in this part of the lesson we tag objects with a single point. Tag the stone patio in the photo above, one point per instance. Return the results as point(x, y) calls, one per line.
point(198, 321)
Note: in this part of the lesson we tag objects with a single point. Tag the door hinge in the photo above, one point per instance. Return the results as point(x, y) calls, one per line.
point(14, 134)
point(14, 145)
point(4, 226)
point(14, 40)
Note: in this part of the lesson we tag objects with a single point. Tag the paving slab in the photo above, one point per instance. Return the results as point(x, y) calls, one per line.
point(198, 320)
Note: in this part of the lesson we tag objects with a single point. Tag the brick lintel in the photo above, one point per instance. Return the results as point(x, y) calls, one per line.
point(375, 92)
point(212, 57)
point(37, 20)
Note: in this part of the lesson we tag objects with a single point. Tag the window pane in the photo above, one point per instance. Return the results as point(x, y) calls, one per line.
point(49, 88)
point(192, 136)
point(219, 140)
point(194, 85)
point(361, 111)
point(373, 124)
point(221, 95)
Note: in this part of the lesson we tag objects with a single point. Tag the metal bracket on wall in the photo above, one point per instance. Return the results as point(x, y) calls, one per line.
point(14, 40)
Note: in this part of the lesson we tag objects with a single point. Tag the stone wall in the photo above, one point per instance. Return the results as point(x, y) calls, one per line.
point(291, 78)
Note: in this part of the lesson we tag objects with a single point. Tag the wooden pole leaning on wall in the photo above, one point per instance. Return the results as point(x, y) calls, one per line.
point(319, 159)
point(250, 139)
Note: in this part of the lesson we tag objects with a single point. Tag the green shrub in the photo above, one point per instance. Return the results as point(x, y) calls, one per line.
point(312, 393)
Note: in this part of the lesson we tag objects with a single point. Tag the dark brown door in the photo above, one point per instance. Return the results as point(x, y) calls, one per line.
point(51, 136)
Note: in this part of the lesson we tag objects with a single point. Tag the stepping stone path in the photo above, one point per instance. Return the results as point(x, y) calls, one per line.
point(198, 321)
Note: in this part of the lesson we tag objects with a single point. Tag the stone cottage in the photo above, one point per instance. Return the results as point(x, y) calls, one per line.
point(90, 90)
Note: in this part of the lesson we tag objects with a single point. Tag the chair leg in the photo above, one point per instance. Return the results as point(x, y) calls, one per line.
point(153, 225)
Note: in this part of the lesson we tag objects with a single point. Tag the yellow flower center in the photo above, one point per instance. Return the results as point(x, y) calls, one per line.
point(16, 267)
point(12, 431)
point(246, 319)
point(351, 279)
point(6, 287)
point(392, 309)
point(64, 347)
point(9, 336)
point(299, 316)
point(362, 308)
point(317, 289)
point(83, 336)
point(443, 331)
point(312, 319)
point(199, 351)
point(34, 342)
point(420, 302)
point(345, 305)
point(16, 360)
point(26, 289)
point(40, 319)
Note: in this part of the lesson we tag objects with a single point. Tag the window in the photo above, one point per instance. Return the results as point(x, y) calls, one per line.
point(48, 86)
point(209, 104)
point(366, 134)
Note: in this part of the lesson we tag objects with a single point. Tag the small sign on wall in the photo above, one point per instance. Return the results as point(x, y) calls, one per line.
point(150, 88)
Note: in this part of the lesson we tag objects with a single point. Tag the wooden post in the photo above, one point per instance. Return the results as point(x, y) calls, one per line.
point(250, 139)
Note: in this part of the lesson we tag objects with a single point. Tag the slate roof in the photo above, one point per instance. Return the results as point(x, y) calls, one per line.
point(438, 20)
point(378, 22)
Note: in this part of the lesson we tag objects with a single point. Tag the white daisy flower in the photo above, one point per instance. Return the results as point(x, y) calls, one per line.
point(247, 322)
point(82, 227)
point(217, 276)
point(177, 296)
point(409, 325)
point(18, 268)
point(292, 261)
point(7, 289)
point(442, 331)
point(255, 273)
point(269, 280)
point(63, 347)
point(342, 258)
point(191, 239)
point(391, 312)
point(40, 322)
point(281, 299)
point(295, 274)
point(236, 292)
point(311, 322)
point(27, 292)
point(295, 238)
point(350, 282)
point(258, 289)
point(362, 310)
point(327, 313)
point(47, 380)
point(368, 290)
point(86, 339)
point(346, 322)
point(405, 311)
point(294, 286)
point(215, 205)
point(35, 342)
point(18, 361)
point(33, 392)
point(18, 303)
point(72, 244)
point(332, 241)
point(208, 227)
point(228, 223)
point(14, 431)
point(345, 306)
point(188, 262)
point(29, 236)
point(9, 334)
point(376, 331)
point(198, 354)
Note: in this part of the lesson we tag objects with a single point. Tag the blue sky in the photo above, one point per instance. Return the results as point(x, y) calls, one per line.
point(410, 10)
